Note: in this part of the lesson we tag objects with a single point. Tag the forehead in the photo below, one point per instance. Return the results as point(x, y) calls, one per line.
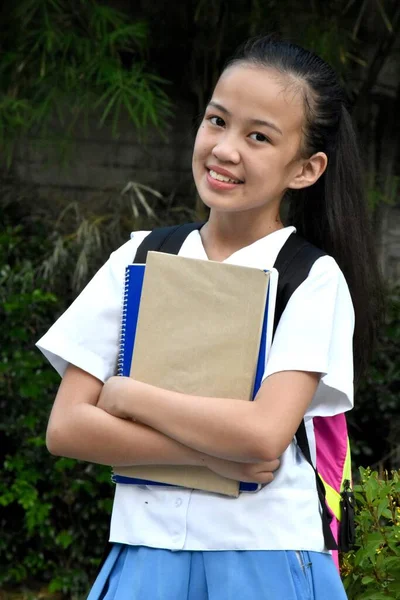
point(255, 92)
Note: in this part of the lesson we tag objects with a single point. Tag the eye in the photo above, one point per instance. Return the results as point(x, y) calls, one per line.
point(218, 121)
point(259, 137)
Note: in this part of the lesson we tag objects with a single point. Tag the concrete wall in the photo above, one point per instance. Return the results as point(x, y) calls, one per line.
point(100, 165)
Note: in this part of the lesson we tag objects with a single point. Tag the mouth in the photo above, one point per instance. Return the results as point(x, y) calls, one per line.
point(223, 178)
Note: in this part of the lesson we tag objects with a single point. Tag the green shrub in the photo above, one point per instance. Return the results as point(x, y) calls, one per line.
point(372, 570)
point(54, 512)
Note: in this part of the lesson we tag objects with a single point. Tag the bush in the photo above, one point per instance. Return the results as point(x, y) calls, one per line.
point(55, 512)
point(372, 570)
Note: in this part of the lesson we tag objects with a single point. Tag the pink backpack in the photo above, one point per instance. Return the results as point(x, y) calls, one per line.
point(334, 470)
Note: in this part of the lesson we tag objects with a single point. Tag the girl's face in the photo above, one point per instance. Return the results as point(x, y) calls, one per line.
point(247, 149)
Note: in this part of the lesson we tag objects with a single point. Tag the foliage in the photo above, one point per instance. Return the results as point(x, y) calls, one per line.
point(207, 33)
point(82, 236)
point(89, 56)
point(54, 512)
point(378, 395)
point(372, 570)
point(82, 55)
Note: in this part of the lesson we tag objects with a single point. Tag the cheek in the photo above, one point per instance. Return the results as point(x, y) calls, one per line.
point(197, 156)
point(201, 144)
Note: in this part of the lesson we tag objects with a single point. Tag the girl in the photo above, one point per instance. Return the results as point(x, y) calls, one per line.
point(276, 126)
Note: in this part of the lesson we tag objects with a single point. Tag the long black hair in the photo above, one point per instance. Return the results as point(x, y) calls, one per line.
point(331, 214)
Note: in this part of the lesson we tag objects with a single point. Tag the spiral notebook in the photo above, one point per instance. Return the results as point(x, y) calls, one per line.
point(199, 327)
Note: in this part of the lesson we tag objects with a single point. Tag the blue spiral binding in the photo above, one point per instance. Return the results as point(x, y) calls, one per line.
point(134, 276)
point(122, 341)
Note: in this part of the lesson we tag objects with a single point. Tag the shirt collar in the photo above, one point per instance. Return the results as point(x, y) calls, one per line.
point(260, 254)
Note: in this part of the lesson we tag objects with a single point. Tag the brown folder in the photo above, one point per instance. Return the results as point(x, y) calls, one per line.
point(198, 332)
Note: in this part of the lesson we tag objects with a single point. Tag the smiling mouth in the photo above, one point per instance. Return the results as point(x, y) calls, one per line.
point(223, 178)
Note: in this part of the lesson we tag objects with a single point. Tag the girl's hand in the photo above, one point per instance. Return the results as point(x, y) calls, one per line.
point(262, 472)
point(114, 397)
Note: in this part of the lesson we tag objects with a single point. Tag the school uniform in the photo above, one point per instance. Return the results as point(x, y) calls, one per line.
point(175, 543)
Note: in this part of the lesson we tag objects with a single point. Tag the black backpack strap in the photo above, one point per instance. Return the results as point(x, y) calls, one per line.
point(293, 264)
point(165, 239)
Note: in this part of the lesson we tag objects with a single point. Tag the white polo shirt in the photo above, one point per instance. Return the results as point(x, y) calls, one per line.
point(314, 334)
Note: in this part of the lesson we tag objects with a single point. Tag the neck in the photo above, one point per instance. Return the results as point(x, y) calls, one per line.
point(226, 233)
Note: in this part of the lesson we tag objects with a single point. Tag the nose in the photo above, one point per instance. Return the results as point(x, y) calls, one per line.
point(226, 150)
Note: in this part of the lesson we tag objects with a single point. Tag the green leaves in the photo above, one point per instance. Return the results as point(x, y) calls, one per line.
point(61, 58)
point(372, 570)
point(83, 236)
point(136, 92)
point(54, 512)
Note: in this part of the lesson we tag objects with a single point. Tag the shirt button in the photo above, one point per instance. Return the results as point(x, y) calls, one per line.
point(178, 502)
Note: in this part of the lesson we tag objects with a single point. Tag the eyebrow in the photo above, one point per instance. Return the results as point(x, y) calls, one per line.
point(253, 121)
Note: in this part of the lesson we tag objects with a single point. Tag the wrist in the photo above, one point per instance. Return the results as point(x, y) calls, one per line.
point(149, 404)
point(125, 397)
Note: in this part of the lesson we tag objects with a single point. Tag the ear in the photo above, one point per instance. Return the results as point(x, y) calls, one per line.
point(310, 172)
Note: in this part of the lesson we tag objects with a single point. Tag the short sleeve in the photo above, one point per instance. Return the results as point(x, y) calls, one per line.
point(315, 334)
point(87, 333)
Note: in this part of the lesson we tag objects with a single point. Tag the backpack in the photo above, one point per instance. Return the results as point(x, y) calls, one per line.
point(333, 464)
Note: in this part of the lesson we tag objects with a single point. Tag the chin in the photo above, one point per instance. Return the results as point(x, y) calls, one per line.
point(221, 206)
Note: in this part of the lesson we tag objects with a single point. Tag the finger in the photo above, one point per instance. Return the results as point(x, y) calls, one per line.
point(257, 476)
point(271, 465)
point(264, 477)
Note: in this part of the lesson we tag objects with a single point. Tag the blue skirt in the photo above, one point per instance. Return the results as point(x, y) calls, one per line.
point(141, 573)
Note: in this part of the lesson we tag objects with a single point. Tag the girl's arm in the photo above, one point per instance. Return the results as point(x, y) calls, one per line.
point(79, 429)
point(226, 428)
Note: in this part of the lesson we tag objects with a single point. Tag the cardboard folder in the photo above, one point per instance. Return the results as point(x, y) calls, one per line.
point(198, 331)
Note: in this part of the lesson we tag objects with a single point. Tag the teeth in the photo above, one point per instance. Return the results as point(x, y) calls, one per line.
point(220, 177)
